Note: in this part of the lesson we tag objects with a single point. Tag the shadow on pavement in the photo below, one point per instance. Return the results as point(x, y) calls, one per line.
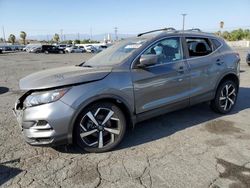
point(3, 90)
point(7, 173)
point(171, 123)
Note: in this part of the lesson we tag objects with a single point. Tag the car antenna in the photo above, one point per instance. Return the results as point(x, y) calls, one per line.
point(164, 29)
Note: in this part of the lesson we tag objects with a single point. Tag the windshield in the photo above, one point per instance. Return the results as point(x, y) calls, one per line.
point(116, 53)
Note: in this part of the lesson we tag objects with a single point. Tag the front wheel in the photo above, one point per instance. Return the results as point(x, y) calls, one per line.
point(225, 97)
point(100, 127)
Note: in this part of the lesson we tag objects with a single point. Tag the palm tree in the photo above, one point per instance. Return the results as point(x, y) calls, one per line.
point(12, 39)
point(56, 37)
point(23, 36)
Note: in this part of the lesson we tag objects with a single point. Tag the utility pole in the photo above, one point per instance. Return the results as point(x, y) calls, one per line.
point(221, 27)
point(116, 36)
point(4, 40)
point(183, 21)
point(61, 38)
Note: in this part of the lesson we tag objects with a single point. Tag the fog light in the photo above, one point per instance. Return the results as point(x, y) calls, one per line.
point(42, 123)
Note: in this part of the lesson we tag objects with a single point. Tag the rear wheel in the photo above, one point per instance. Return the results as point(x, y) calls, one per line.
point(100, 127)
point(225, 97)
point(248, 64)
point(46, 52)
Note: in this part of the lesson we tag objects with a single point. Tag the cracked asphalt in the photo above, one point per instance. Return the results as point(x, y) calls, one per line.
point(193, 147)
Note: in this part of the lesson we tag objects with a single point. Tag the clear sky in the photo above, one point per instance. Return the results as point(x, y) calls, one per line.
point(130, 16)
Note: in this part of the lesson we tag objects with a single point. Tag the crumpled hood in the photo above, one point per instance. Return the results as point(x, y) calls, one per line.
point(62, 76)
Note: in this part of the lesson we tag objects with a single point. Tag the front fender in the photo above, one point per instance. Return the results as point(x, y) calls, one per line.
point(91, 100)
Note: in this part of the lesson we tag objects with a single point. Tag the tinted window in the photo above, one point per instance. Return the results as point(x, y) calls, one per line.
point(167, 50)
point(216, 43)
point(198, 46)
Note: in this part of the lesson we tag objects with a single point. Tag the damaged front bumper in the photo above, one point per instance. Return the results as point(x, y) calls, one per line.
point(46, 124)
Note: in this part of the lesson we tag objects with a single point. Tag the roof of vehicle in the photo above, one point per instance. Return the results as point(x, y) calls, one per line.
point(172, 31)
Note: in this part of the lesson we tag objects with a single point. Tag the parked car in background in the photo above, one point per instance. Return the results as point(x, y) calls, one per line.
point(82, 47)
point(37, 49)
point(7, 49)
point(74, 49)
point(20, 47)
point(248, 58)
point(90, 49)
point(25, 48)
point(136, 79)
point(28, 47)
point(62, 46)
point(50, 49)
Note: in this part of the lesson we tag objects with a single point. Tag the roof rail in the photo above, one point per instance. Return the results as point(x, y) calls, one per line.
point(164, 29)
point(194, 29)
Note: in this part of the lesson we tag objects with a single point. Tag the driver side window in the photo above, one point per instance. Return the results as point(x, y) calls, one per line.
point(167, 50)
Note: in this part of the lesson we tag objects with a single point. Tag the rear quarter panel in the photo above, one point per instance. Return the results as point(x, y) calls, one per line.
point(231, 63)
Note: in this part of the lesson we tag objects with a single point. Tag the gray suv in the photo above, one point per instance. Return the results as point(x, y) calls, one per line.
point(92, 104)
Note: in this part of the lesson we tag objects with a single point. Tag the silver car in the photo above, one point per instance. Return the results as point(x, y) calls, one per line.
point(93, 104)
point(74, 49)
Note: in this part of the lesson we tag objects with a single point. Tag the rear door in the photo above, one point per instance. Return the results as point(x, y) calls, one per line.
point(163, 84)
point(205, 63)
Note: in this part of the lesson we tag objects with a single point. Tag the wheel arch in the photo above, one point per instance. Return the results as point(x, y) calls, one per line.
point(120, 102)
point(229, 76)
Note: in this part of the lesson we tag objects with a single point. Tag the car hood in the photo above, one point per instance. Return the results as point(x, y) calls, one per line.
point(62, 76)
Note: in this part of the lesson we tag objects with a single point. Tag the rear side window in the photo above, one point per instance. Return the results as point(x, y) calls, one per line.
point(216, 43)
point(198, 46)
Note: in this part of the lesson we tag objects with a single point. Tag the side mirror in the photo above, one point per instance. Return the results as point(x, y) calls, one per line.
point(147, 60)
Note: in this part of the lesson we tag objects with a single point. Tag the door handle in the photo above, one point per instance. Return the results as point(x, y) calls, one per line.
point(180, 69)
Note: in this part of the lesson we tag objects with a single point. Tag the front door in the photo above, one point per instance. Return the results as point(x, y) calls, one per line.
point(164, 83)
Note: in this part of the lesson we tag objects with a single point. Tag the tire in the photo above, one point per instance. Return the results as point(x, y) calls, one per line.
point(225, 97)
point(248, 64)
point(60, 52)
point(46, 52)
point(100, 127)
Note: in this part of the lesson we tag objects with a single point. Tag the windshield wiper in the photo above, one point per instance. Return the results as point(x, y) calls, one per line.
point(82, 65)
point(86, 66)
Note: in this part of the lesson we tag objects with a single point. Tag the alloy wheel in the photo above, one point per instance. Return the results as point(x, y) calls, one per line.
point(100, 129)
point(227, 97)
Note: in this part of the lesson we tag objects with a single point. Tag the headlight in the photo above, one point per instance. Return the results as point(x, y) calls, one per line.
point(38, 98)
